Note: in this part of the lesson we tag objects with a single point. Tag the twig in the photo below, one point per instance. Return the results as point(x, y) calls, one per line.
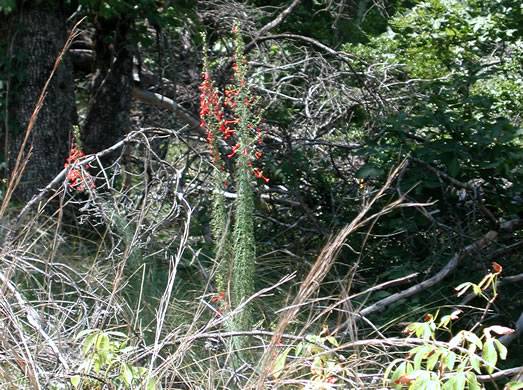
point(277, 20)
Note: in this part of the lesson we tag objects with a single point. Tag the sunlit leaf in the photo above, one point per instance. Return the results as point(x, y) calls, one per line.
point(127, 374)
point(472, 381)
point(333, 341)
point(513, 386)
point(490, 355)
point(475, 363)
point(502, 350)
point(279, 364)
point(75, 380)
point(449, 359)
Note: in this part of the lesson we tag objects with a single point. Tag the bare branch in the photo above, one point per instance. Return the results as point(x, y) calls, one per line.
point(450, 267)
point(279, 18)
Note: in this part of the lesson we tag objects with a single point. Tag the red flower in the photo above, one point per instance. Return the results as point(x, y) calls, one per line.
point(232, 121)
point(228, 133)
point(73, 175)
point(234, 149)
point(259, 175)
point(220, 297)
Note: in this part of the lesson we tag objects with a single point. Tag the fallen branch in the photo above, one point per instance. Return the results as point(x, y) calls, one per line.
point(508, 226)
point(169, 105)
point(500, 374)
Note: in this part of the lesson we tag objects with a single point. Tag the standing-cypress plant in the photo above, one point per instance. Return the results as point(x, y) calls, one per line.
point(212, 119)
point(234, 118)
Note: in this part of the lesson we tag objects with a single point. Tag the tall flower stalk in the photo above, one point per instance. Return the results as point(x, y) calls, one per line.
point(212, 119)
point(232, 119)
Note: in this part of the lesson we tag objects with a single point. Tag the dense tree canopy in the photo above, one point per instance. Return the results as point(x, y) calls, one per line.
point(368, 154)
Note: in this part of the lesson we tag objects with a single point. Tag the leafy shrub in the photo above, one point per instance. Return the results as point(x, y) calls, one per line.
point(104, 362)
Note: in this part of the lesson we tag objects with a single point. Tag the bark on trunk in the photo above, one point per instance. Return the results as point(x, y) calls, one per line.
point(37, 32)
point(109, 106)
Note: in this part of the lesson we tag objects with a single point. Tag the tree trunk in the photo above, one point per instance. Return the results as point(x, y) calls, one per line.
point(37, 33)
point(110, 103)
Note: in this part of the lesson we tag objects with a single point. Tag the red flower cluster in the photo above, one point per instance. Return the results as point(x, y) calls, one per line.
point(212, 115)
point(77, 175)
point(221, 298)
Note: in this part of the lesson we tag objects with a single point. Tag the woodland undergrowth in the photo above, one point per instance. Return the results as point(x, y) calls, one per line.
point(109, 281)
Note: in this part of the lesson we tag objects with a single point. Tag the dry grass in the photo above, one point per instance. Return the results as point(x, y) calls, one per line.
point(121, 258)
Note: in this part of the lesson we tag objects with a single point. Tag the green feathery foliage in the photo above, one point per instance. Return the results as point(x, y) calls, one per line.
point(219, 227)
point(215, 114)
point(244, 244)
point(211, 114)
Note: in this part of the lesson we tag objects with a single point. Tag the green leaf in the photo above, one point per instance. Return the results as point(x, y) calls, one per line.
point(103, 345)
point(445, 320)
point(425, 331)
point(449, 359)
point(501, 349)
point(97, 365)
point(151, 385)
point(75, 380)
point(433, 359)
point(298, 349)
point(513, 386)
point(460, 381)
point(399, 371)
point(456, 382)
point(117, 334)
point(456, 340)
point(475, 363)
point(473, 339)
point(389, 369)
point(127, 374)
point(422, 380)
point(433, 384)
point(490, 355)
point(369, 170)
point(477, 290)
point(333, 341)
point(472, 381)
point(85, 332)
point(419, 356)
point(89, 342)
point(279, 364)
